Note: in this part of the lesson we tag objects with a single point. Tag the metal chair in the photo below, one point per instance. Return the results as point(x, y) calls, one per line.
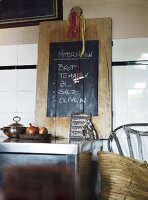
point(130, 140)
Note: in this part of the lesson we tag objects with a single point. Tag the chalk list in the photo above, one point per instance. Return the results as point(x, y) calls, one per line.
point(72, 79)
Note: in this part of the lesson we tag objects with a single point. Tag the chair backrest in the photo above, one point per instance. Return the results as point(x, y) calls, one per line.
point(130, 140)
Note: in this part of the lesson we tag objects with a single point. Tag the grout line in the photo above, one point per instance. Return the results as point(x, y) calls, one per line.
point(124, 63)
point(18, 67)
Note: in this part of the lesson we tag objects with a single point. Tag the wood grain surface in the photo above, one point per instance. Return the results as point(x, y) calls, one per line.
point(56, 31)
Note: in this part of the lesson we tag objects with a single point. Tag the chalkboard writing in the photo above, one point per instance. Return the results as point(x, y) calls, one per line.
point(72, 79)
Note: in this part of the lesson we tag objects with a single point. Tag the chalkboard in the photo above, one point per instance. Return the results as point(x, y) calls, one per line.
point(72, 79)
point(16, 11)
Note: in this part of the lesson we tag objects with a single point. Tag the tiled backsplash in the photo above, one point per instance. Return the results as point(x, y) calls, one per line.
point(11, 55)
point(17, 86)
point(130, 82)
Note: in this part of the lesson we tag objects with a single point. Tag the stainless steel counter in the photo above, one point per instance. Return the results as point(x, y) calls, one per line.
point(76, 154)
point(53, 146)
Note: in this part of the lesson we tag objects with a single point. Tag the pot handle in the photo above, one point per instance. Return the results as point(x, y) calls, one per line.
point(16, 119)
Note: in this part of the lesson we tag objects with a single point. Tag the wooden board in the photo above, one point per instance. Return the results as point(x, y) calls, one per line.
point(56, 31)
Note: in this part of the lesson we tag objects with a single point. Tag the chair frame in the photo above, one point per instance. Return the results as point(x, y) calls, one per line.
point(128, 131)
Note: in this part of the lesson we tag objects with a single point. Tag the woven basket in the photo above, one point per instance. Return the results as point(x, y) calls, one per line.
point(122, 177)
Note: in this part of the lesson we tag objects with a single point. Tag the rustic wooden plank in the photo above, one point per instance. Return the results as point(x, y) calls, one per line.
point(96, 29)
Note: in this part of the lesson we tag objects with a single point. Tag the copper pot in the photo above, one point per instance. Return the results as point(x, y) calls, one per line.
point(13, 130)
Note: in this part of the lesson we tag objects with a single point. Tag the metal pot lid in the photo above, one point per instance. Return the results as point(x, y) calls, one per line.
point(16, 124)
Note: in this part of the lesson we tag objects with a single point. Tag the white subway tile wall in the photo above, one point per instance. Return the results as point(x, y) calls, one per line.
point(8, 55)
point(27, 54)
point(17, 86)
point(26, 80)
point(119, 78)
point(8, 101)
point(25, 101)
point(119, 52)
point(130, 82)
point(8, 80)
point(137, 77)
point(137, 49)
point(120, 101)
